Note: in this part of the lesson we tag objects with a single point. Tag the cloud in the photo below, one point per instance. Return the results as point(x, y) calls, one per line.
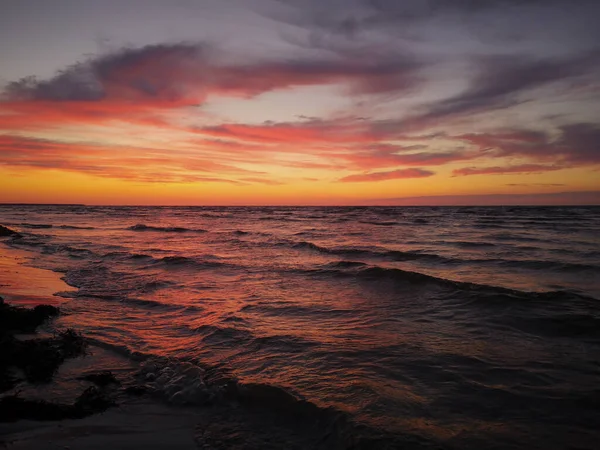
point(146, 86)
point(523, 50)
point(391, 175)
point(154, 86)
point(119, 162)
point(576, 145)
point(294, 132)
point(393, 155)
point(188, 73)
point(343, 143)
point(580, 143)
point(156, 72)
point(355, 20)
point(500, 83)
point(503, 170)
point(267, 181)
point(535, 184)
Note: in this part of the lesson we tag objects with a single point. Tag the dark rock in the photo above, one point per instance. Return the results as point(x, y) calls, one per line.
point(101, 379)
point(136, 391)
point(39, 359)
point(93, 400)
point(7, 380)
point(24, 320)
point(46, 311)
point(71, 343)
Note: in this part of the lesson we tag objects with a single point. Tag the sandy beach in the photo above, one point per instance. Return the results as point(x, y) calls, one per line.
point(133, 424)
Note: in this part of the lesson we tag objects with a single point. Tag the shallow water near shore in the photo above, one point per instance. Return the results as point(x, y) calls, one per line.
point(465, 326)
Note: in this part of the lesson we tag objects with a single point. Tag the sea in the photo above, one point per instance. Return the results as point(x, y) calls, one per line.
point(474, 327)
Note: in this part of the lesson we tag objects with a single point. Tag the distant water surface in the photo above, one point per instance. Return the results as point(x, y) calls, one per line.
point(467, 325)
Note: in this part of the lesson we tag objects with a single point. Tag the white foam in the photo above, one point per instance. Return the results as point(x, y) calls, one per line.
point(178, 383)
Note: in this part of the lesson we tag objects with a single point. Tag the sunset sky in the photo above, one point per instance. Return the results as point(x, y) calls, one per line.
point(228, 102)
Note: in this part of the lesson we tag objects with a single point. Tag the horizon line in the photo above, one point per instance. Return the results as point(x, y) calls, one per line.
point(574, 205)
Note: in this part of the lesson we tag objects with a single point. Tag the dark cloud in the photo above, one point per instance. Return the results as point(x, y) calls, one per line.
point(577, 145)
point(395, 155)
point(502, 80)
point(354, 19)
point(148, 72)
point(190, 72)
point(581, 143)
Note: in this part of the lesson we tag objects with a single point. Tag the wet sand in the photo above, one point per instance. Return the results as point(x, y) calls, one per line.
point(22, 284)
point(137, 424)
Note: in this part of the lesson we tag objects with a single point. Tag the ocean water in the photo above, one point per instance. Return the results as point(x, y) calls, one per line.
point(470, 326)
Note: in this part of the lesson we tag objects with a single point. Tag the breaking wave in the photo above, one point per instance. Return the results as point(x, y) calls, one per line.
point(143, 227)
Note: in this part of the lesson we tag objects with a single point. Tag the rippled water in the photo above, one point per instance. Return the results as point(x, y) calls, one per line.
point(466, 325)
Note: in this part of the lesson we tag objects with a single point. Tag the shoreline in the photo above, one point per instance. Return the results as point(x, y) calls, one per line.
point(131, 422)
point(115, 415)
point(22, 284)
point(205, 410)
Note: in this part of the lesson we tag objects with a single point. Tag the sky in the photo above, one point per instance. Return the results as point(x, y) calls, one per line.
point(300, 102)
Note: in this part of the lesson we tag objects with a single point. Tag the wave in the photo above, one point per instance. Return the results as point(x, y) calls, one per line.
point(287, 309)
point(143, 227)
point(215, 334)
point(383, 224)
point(490, 225)
point(559, 266)
point(39, 243)
point(153, 304)
point(126, 256)
point(172, 261)
point(74, 227)
point(191, 383)
point(346, 264)
point(514, 237)
point(186, 262)
point(73, 252)
point(280, 219)
point(393, 255)
point(472, 244)
point(564, 325)
point(247, 407)
point(45, 226)
point(8, 232)
point(40, 226)
point(146, 304)
point(418, 278)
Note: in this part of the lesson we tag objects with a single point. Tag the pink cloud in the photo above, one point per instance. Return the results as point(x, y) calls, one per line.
point(391, 175)
point(503, 170)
